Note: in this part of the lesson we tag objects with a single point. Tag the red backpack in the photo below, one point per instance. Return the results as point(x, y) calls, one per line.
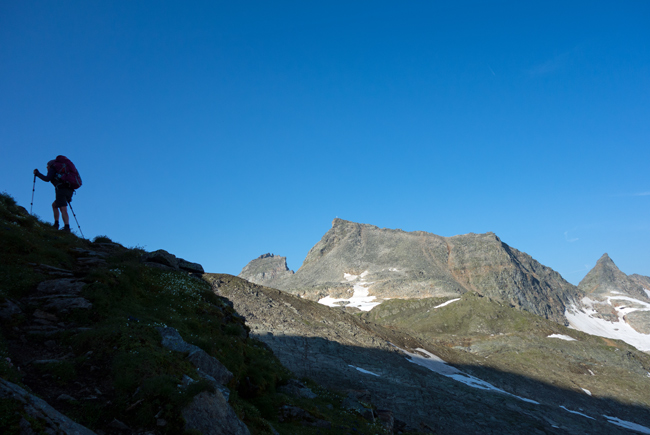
point(67, 172)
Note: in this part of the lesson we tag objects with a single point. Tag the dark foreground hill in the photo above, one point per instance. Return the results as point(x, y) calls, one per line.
point(98, 338)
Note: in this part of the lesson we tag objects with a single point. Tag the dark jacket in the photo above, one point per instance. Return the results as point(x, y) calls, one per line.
point(51, 177)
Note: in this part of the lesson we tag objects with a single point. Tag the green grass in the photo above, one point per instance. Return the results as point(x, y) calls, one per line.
point(118, 343)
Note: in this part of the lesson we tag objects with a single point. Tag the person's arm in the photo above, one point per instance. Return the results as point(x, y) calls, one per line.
point(49, 177)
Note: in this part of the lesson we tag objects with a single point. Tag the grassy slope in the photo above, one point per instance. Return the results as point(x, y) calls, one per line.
point(115, 348)
point(491, 334)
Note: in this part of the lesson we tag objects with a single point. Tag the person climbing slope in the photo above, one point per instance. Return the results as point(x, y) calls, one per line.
point(62, 173)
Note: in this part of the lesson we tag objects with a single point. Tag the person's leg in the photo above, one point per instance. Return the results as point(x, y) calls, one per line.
point(63, 197)
point(64, 215)
point(55, 209)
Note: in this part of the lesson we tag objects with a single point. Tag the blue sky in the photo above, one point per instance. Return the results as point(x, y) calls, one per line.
point(220, 131)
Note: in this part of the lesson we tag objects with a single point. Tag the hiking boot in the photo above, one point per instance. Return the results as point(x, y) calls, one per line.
point(55, 225)
point(65, 229)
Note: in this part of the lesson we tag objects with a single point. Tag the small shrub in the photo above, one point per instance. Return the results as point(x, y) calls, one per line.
point(102, 239)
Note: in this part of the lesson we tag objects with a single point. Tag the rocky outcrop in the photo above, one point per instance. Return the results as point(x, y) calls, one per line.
point(643, 281)
point(266, 269)
point(162, 259)
point(398, 264)
point(210, 414)
point(208, 367)
point(37, 416)
point(606, 279)
point(59, 296)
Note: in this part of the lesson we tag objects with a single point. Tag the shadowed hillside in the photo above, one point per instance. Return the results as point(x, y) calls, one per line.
point(520, 381)
point(99, 338)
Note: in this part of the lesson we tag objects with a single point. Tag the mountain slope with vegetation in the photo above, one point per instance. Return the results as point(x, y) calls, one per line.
point(459, 374)
point(82, 349)
point(514, 341)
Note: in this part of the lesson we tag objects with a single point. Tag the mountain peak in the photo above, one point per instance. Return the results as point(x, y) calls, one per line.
point(265, 269)
point(605, 258)
point(380, 263)
point(606, 278)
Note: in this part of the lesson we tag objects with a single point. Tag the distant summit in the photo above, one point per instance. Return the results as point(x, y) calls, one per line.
point(614, 305)
point(606, 279)
point(266, 269)
point(363, 262)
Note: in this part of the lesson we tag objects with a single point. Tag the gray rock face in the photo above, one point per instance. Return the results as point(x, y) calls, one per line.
point(62, 286)
point(400, 264)
point(60, 295)
point(266, 269)
point(643, 281)
point(606, 278)
point(211, 414)
point(344, 352)
point(209, 367)
point(52, 421)
point(162, 259)
point(8, 309)
point(190, 267)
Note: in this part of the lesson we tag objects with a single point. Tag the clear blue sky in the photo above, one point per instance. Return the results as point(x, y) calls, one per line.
point(220, 131)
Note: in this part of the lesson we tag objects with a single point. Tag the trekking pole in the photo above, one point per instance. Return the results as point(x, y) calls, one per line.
point(31, 209)
point(75, 219)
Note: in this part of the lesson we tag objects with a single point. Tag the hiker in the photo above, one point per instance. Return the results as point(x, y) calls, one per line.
point(65, 178)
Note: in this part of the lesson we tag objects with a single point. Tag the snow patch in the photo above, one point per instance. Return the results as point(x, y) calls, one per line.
point(647, 292)
point(360, 298)
point(364, 371)
point(585, 320)
point(576, 412)
point(447, 303)
point(437, 365)
point(562, 337)
point(627, 424)
point(587, 391)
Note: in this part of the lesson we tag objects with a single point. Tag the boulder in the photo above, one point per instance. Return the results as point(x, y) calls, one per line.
point(205, 364)
point(386, 419)
point(161, 257)
point(63, 286)
point(8, 309)
point(63, 305)
point(190, 267)
point(297, 389)
point(49, 420)
point(210, 414)
point(158, 266)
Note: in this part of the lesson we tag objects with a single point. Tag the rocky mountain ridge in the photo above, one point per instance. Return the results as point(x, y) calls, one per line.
point(267, 268)
point(398, 264)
